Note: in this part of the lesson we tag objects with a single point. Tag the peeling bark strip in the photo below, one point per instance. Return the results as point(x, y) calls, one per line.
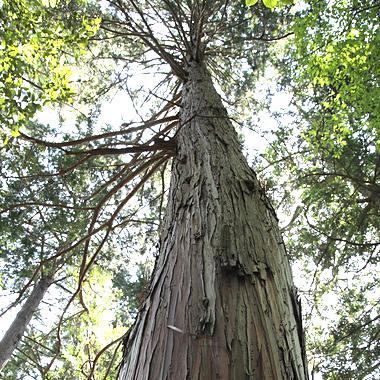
point(222, 272)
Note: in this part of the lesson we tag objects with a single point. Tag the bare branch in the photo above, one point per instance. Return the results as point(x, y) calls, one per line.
point(98, 137)
point(159, 144)
point(46, 205)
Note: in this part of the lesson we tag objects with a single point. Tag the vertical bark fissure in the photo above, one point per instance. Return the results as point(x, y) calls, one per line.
point(226, 272)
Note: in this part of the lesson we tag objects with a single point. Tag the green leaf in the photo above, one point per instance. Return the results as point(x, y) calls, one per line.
point(250, 2)
point(5, 140)
point(287, 2)
point(270, 3)
point(83, 43)
point(15, 133)
point(31, 53)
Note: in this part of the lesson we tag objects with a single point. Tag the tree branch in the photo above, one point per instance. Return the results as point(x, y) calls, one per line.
point(48, 144)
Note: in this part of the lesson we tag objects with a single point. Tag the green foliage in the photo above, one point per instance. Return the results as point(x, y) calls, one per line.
point(83, 337)
point(243, 53)
point(269, 3)
point(327, 161)
point(86, 337)
point(34, 70)
point(45, 208)
point(339, 46)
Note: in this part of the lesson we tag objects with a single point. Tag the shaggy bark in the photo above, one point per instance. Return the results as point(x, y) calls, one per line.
point(17, 329)
point(222, 303)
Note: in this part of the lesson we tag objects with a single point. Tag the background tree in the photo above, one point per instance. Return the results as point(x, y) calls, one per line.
point(42, 220)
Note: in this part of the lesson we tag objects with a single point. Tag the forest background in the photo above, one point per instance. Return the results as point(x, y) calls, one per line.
point(82, 228)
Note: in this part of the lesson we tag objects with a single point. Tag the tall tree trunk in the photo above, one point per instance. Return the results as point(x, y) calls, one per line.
point(17, 329)
point(222, 302)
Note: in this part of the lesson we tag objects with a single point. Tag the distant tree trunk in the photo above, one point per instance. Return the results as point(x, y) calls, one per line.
point(17, 329)
point(222, 304)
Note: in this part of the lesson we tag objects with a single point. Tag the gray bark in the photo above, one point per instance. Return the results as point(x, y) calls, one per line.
point(17, 329)
point(222, 303)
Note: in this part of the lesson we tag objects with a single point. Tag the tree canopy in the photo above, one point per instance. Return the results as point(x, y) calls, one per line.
point(79, 199)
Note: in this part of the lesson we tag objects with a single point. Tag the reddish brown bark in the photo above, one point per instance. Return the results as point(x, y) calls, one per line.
point(222, 281)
